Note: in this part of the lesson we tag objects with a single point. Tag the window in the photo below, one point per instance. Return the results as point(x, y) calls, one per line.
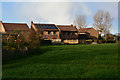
point(68, 33)
point(73, 33)
point(63, 33)
point(54, 32)
point(42, 33)
point(48, 32)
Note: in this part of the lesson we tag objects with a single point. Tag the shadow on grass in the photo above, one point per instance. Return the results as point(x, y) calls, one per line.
point(8, 56)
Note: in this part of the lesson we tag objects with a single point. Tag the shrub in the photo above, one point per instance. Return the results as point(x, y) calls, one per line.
point(34, 40)
point(111, 41)
point(4, 44)
point(82, 41)
point(88, 41)
point(46, 42)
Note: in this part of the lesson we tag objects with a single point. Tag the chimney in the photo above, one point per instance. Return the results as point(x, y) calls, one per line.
point(80, 27)
point(71, 24)
point(2, 29)
point(0, 22)
point(0, 26)
point(31, 22)
point(74, 26)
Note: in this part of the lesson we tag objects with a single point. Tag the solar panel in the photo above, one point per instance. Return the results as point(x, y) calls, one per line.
point(37, 26)
point(46, 26)
point(50, 27)
point(42, 26)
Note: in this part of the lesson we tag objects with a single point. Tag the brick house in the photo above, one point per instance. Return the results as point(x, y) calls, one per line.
point(68, 34)
point(47, 31)
point(117, 37)
point(9, 29)
point(88, 33)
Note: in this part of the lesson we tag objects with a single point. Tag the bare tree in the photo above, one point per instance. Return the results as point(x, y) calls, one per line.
point(102, 22)
point(80, 21)
point(107, 24)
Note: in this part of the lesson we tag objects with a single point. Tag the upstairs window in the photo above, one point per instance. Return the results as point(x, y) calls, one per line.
point(63, 33)
point(54, 32)
point(68, 33)
point(49, 32)
point(73, 33)
point(42, 33)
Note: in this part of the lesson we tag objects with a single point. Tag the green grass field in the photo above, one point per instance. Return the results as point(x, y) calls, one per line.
point(66, 61)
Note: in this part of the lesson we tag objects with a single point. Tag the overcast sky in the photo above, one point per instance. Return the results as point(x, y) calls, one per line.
point(57, 12)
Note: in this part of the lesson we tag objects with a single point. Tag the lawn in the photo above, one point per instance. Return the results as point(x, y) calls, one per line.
point(66, 61)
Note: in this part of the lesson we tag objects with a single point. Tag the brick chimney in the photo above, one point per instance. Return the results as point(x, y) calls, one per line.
point(80, 27)
point(0, 26)
point(33, 26)
point(31, 22)
point(2, 29)
point(71, 24)
point(0, 22)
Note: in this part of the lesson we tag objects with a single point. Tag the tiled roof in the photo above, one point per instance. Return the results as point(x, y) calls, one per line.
point(15, 26)
point(67, 28)
point(45, 26)
point(83, 30)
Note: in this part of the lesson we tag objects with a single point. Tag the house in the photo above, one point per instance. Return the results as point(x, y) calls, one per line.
point(88, 33)
point(47, 31)
point(117, 37)
point(68, 34)
point(110, 37)
point(12, 29)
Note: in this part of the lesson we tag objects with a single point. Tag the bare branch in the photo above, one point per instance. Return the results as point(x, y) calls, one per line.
point(80, 21)
point(102, 21)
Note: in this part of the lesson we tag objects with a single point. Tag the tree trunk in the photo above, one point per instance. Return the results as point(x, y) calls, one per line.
point(105, 38)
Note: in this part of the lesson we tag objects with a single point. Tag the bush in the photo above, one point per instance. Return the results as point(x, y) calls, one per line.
point(111, 41)
point(46, 42)
point(108, 41)
point(4, 44)
point(33, 40)
point(82, 41)
point(88, 41)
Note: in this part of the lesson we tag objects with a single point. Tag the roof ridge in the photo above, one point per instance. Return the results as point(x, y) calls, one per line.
point(43, 24)
point(86, 28)
point(17, 23)
point(13, 26)
point(64, 26)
